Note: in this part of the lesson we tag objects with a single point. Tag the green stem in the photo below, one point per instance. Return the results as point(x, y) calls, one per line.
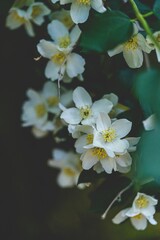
point(144, 23)
point(148, 14)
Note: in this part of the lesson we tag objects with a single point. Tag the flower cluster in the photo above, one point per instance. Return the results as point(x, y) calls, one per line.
point(102, 138)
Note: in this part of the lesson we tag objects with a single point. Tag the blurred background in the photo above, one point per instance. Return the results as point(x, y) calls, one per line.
point(40, 210)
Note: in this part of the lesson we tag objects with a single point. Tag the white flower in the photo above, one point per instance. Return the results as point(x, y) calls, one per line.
point(64, 17)
point(50, 94)
point(98, 158)
point(18, 17)
point(62, 60)
point(109, 135)
point(132, 49)
point(143, 209)
point(117, 107)
point(80, 8)
point(152, 44)
point(85, 111)
point(69, 164)
point(34, 110)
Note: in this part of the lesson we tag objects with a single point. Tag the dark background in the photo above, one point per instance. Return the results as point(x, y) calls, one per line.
point(37, 208)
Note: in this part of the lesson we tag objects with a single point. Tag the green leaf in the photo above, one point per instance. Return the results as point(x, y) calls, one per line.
point(105, 31)
point(156, 9)
point(147, 89)
point(102, 197)
point(148, 164)
point(22, 3)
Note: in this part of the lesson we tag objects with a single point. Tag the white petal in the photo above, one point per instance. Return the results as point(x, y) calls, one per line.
point(108, 164)
point(124, 160)
point(115, 51)
point(79, 13)
point(71, 116)
point(122, 127)
point(57, 30)
point(46, 48)
point(112, 98)
point(120, 217)
point(102, 105)
point(139, 224)
point(50, 89)
point(134, 58)
point(65, 181)
point(75, 65)
point(52, 71)
point(150, 122)
point(158, 53)
point(152, 220)
point(98, 6)
point(103, 122)
point(143, 44)
point(133, 141)
point(118, 145)
point(75, 34)
point(81, 97)
point(88, 160)
point(29, 28)
point(80, 143)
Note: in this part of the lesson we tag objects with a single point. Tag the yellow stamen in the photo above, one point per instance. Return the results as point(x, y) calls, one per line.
point(84, 2)
point(36, 11)
point(138, 217)
point(69, 172)
point(59, 58)
point(17, 18)
point(52, 101)
point(40, 110)
point(109, 135)
point(131, 44)
point(89, 138)
point(99, 152)
point(142, 202)
point(64, 42)
point(85, 112)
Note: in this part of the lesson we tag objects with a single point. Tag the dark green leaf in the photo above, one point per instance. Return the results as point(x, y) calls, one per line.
point(105, 31)
point(156, 9)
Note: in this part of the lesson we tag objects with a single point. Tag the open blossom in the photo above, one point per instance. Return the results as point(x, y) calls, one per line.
point(69, 165)
point(132, 49)
point(64, 17)
point(35, 13)
point(110, 136)
point(150, 122)
point(80, 8)
point(85, 111)
point(152, 44)
point(59, 52)
point(143, 209)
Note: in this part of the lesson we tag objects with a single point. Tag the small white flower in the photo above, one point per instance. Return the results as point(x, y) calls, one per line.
point(152, 44)
point(132, 49)
point(69, 164)
point(59, 52)
point(18, 17)
point(85, 111)
point(34, 110)
point(109, 135)
point(117, 107)
point(64, 17)
point(143, 209)
point(80, 8)
point(149, 123)
point(50, 94)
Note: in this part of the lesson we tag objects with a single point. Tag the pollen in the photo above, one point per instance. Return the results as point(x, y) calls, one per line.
point(59, 58)
point(131, 44)
point(17, 18)
point(89, 138)
point(142, 202)
point(100, 153)
point(64, 42)
point(40, 110)
point(138, 216)
point(84, 2)
point(85, 112)
point(36, 11)
point(109, 135)
point(52, 101)
point(69, 172)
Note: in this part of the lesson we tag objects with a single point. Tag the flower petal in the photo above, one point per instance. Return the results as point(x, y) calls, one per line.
point(57, 30)
point(98, 6)
point(103, 122)
point(79, 12)
point(81, 97)
point(120, 217)
point(122, 127)
point(88, 160)
point(71, 116)
point(102, 105)
point(75, 65)
point(139, 223)
point(46, 48)
point(52, 71)
point(134, 58)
